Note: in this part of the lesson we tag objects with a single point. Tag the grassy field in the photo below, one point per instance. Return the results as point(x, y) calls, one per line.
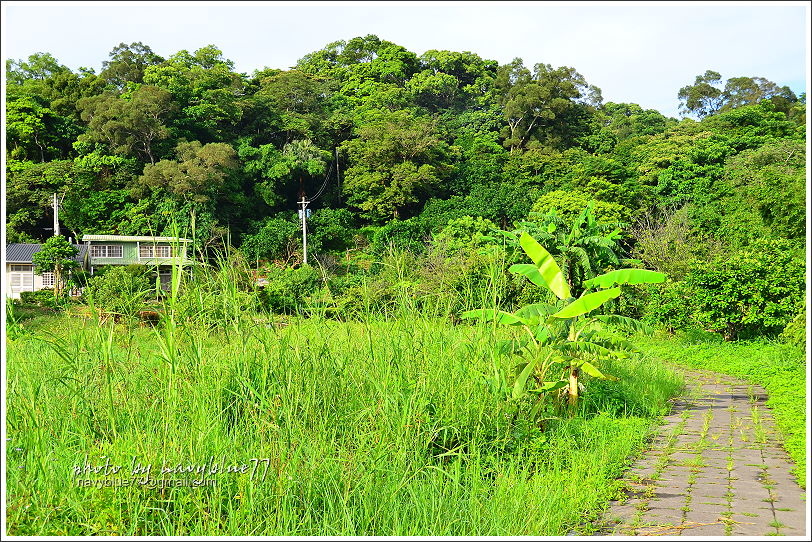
point(779, 368)
point(383, 427)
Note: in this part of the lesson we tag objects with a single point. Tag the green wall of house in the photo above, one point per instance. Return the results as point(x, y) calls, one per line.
point(130, 255)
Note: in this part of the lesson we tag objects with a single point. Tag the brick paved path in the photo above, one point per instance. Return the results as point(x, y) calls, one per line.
point(716, 468)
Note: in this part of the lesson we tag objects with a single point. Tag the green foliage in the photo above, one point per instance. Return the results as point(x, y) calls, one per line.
point(121, 289)
point(128, 62)
point(548, 105)
point(568, 204)
point(565, 335)
point(752, 293)
point(42, 298)
point(288, 289)
point(276, 238)
point(198, 174)
point(56, 256)
point(584, 246)
point(331, 230)
point(795, 331)
point(407, 234)
point(406, 147)
point(131, 126)
point(396, 160)
point(747, 294)
point(465, 233)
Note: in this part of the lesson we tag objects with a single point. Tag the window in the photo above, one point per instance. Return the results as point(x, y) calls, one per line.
point(106, 251)
point(22, 268)
point(47, 280)
point(152, 251)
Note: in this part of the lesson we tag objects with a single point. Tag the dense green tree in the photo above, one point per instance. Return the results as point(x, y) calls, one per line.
point(288, 105)
point(274, 238)
point(396, 160)
point(550, 105)
point(205, 90)
point(630, 120)
point(704, 97)
point(569, 204)
point(282, 174)
point(128, 62)
point(29, 195)
point(39, 67)
point(128, 125)
point(198, 173)
point(96, 199)
point(740, 91)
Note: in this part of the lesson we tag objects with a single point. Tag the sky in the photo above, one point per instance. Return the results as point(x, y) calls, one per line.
point(634, 52)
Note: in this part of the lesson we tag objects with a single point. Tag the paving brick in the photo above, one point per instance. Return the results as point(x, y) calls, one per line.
point(709, 491)
point(714, 529)
point(729, 488)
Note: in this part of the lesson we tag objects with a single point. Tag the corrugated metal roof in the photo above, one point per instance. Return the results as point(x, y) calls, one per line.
point(134, 238)
point(23, 252)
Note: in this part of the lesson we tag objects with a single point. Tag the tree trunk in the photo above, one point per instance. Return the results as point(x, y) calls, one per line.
point(573, 389)
point(57, 280)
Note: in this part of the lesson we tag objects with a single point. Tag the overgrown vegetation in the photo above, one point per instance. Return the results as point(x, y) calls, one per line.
point(433, 178)
point(400, 426)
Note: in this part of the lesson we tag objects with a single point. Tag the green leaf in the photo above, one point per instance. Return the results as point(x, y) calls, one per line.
point(531, 272)
point(591, 370)
point(547, 387)
point(549, 270)
point(511, 346)
point(587, 303)
point(625, 276)
point(535, 313)
point(492, 315)
point(574, 348)
point(624, 322)
point(543, 335)
point(521, 380)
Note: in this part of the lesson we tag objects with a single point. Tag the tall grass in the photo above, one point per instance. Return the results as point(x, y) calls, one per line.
point(382, 426)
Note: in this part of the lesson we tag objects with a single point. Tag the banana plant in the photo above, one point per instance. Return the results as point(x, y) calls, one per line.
point(566, 333)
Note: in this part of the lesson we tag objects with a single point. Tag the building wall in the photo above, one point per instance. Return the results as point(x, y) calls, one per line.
point(130, 254)
point(19, 281)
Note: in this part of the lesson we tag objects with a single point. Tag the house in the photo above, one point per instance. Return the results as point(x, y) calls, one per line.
point(160, 253)
point(21, 276)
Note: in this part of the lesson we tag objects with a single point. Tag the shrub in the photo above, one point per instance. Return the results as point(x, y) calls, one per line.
point(288, 289)
point(569, 204)
point(465, 233)
point(275, 238)
point(669, 306)
point(795, 332)
point(43, 298)
point(121, 290)
point(749, 294)
point(401, 235)
point(332, 230)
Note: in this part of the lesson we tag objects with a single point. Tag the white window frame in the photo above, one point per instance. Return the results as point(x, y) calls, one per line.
point(105, 251)
point(21, 268)
point(154, 251)
point(47, 280)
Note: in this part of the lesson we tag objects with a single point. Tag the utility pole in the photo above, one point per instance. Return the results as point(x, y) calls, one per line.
point(56, 214)
point(303, 212)
point(338, 178)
